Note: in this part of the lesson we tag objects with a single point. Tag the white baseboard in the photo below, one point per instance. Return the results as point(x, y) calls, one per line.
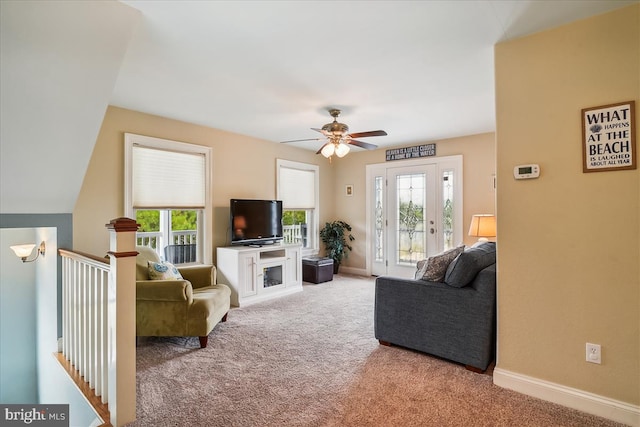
point(570, 397)
point(352, 270)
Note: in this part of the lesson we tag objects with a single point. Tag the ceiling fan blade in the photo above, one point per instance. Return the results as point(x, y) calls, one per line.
point(361, 144)
point(322, 131)
point(300, 140)
point(366, 134)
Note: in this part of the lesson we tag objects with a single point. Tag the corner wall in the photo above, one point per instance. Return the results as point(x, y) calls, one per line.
point(64, 231)
point(18, 320)
point(569, 246)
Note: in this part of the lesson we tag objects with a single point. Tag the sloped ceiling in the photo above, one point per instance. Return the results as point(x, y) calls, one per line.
point(421, 70)
point(60, 62)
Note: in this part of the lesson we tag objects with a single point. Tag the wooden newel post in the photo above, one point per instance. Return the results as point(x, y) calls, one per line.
point(122, 320)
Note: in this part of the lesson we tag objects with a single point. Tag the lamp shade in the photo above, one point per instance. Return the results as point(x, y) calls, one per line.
point(328, 150)
point(483, 225)
point(342, 150)
point(23, 251)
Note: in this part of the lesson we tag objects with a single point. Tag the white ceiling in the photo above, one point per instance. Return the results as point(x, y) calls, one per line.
point(421, 70)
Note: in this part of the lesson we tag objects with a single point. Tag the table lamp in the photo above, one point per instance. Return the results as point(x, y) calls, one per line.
point(483, 226)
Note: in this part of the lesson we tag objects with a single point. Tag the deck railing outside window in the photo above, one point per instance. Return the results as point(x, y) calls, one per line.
point(293, 233)
point(155, 240)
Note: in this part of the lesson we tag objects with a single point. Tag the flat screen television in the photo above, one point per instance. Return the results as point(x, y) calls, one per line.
point(255, 222)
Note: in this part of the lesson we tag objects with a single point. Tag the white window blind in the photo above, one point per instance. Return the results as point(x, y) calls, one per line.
point(167, 179)
point(297, 188)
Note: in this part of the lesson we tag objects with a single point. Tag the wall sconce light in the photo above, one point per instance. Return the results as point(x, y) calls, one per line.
point(23, 251)
point(483, 226)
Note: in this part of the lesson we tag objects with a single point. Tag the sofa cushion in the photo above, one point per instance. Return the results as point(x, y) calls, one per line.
point(468, 264)
point(163, 270)
point(142, 267)
point(434, 267)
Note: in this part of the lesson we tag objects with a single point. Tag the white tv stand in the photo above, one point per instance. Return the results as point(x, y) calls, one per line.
point(257, 274)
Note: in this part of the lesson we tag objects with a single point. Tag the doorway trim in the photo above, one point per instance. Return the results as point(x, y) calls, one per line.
point(454, 163)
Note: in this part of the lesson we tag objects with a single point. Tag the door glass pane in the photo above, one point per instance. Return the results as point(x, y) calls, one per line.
point(379, 219)
point(447, 209)
point(410, 190)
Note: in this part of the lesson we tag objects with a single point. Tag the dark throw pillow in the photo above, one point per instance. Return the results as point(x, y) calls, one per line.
point(468, 264)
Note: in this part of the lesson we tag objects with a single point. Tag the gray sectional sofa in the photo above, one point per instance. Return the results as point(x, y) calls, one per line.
point(454, 319)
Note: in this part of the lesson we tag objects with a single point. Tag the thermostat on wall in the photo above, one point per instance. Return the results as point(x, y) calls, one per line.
point(526, 171)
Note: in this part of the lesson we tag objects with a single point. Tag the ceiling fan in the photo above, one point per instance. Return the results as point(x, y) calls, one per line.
point(338, 140)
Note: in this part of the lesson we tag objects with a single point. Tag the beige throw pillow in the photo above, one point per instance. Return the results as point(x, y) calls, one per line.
point(163, 271)
point(434, 268)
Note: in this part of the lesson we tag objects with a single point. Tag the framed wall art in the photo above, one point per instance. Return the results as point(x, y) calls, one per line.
point(609, 137)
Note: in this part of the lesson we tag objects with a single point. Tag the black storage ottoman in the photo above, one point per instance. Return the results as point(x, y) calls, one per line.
point(317, 269)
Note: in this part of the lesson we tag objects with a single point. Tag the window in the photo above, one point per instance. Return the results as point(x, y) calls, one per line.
point(167, 191)
point(172, 233)
point(298, 189)
point(447, 208)
point(410, 203)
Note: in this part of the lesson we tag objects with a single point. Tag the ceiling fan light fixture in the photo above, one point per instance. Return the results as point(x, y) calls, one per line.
point(342, 150)
point(338, 141)
point(328, 150)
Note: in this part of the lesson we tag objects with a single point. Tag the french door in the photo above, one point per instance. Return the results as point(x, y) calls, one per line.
point(414, 210)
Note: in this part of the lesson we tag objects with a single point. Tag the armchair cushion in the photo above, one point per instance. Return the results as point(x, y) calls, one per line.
point(164, 290)
point(199, 275)
point(163, 270)
point(145, 254)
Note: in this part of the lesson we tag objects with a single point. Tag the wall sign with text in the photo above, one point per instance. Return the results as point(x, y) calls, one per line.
point(404, 153)
point(609, 137)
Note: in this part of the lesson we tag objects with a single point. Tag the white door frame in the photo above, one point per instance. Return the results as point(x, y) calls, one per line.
point(445, 163)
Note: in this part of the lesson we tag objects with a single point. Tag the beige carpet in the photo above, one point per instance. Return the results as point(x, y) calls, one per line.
point(310, 359)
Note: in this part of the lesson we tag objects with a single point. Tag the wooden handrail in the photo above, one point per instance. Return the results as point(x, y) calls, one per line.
point(83, 256)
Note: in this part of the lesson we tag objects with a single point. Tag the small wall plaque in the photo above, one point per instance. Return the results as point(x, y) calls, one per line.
point(425, 150)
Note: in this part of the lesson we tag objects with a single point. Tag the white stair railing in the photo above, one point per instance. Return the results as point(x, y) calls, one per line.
point(85, 282)
point(98, 320)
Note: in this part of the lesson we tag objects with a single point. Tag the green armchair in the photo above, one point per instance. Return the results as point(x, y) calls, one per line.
point(192, 306)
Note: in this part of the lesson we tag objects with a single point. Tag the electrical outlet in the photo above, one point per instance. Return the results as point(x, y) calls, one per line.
point(594, 353)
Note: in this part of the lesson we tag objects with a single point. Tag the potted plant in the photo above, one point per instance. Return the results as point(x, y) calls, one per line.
point(334, 235)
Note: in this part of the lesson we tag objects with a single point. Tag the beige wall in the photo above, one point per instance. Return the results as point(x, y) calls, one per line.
point(243, 167)
point(478, 153)
point(569, 245)
point(102, 196)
